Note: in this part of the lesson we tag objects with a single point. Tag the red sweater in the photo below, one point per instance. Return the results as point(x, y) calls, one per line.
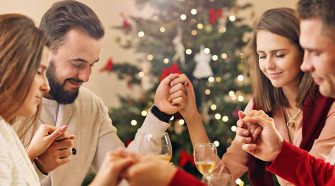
point(182, 178)
point(300, 168)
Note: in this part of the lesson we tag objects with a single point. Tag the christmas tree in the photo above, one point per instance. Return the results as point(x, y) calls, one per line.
point(203, 39)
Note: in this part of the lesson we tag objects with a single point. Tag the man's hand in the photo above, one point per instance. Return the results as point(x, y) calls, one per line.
point(189, 110)
point(162, 101)
point(43, 138)
point(58, 153)
point(113, 166)
point(269, 141)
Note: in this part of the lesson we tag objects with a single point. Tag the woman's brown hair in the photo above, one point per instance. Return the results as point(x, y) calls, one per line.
point(283, 22)
point(21, 47)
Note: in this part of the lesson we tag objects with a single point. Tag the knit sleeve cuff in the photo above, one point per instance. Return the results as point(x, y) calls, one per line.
point(181, 178)
point(154, 125)
point(288, 159)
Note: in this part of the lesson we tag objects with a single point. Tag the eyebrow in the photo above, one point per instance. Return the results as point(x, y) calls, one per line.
point(273, 51)
point(83, 60)
point(311, 49)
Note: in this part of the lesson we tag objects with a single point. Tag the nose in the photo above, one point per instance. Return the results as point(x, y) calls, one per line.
point(270, 64)
point(45, 88)
point(306, 65)
point(84, 74)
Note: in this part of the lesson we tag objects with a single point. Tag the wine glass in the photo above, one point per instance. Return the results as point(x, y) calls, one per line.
point(205, 158)
point(159, 145)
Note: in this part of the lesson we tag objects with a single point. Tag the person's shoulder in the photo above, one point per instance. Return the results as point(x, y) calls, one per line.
point(87, 98)
point(86, 94)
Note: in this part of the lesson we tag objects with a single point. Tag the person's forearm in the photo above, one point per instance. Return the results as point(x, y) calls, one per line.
point(196, 129)
point(300, 168)
point(31, 154)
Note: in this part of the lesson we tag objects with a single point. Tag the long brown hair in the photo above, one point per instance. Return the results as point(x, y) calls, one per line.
point(21, 47)
point(283, 22)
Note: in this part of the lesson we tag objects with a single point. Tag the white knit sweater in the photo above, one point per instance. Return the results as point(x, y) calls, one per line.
point(16, 168)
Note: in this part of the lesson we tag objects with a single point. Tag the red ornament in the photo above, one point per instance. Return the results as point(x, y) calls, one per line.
point(125, 23)
point(235, 113)
point(185, 157)
point(214, 14)
point(108, 66)
point(173, 69)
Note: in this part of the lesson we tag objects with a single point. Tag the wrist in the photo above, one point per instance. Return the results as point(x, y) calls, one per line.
point(160, 115)
point(32, 155)
point(277, 150)
point(192, 117)
point(40, 166)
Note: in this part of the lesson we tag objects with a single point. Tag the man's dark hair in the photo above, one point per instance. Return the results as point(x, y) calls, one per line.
point(320, 9)
point(64, 16)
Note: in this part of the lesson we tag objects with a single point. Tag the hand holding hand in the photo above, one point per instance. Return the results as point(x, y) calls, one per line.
point(42, 139)
point(189, 109)
point(162, 101)
point(58, 153)
point(269, 141)
point(149, 170)
point(113, 166)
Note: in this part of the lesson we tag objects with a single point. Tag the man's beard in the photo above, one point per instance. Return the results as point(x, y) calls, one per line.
point(57, 90)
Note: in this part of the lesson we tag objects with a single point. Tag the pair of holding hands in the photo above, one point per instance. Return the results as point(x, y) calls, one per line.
point(50, 147)
point(175, 94)
point(137, 169)
point(258, 134)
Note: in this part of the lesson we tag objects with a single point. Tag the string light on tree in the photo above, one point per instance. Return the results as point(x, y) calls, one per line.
point(181, 122)
point(215, 57)
point(150, 57)
point(240, 98)
point(194, 11)
point(213, 107)
point(188, 51)
point(194, 33)
point(207, 92)
point(141, 74)
point(232, 18)
point(200, 26)
point(162, 29)
point(239, 182)
point(222, 29)
point(218, 79)
point(231, 93)
point(240, 77)
point(144, 113)
point(207, 51)
point(216, 143)
point(140, 34)
point(133, 122)
point(183, 17)
point(211, 79)
point(166, 60)
point(217, 116)
point(225, 118)
point(233, 128)
point(224, 56)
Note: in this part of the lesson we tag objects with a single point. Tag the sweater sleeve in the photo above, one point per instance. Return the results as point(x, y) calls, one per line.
point(300, 168)
point(181, 178)
point(5, 166)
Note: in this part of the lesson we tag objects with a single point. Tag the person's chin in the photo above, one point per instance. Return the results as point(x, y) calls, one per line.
point(326, 91)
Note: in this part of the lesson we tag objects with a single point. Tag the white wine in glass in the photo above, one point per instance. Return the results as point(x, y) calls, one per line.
point(205, 158)
point(205, 167)
point(157, 145)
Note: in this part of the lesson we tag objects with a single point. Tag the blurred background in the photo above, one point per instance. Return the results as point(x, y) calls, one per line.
point(148, 39)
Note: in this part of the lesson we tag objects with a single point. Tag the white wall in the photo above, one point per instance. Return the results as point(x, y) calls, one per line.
point(107, 86)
